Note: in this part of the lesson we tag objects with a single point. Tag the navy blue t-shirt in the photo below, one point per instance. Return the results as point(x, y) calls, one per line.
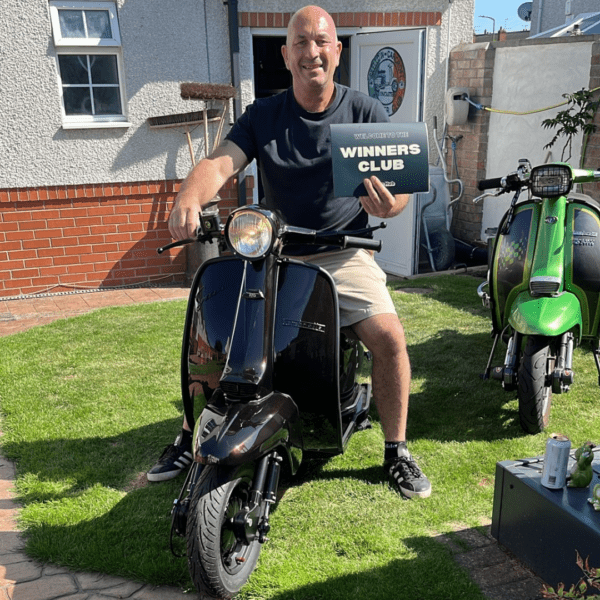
point(292, 148)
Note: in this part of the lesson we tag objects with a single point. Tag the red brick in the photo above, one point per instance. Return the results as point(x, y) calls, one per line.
point(117, 238)
point(101, 210)
point(9, 226)
point(19, 235)
point(43, 243)
point(16, 216)
point(11, 265)
point(38, 263)
point(78, 250)
point(66, 260)
point(115, 219)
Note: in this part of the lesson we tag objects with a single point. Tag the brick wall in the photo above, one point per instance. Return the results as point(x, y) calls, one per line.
point(64, 237)
point(348, 19)
point(471, 68)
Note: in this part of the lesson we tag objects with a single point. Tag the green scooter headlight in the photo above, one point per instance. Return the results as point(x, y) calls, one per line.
point(551, 181)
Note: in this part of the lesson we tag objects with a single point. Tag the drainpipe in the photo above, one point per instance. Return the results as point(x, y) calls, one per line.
point(234, 50)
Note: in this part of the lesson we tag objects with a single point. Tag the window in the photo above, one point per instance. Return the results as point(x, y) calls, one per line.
point(88, 51)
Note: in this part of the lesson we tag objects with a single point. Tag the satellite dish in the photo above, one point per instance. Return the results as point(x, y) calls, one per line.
point(524, 11)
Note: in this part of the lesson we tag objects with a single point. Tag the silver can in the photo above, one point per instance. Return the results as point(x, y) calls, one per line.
point(556, 458)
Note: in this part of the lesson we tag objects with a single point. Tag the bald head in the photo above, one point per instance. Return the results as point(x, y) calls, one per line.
point(313, 15)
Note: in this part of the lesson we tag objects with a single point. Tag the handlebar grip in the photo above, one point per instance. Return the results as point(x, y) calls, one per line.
point(360, 242)
point(489, 184)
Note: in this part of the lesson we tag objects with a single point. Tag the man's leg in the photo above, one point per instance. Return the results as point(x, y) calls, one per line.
point(383, 335)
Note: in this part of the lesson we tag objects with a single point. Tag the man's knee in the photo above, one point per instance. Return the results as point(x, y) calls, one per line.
point(382, 334)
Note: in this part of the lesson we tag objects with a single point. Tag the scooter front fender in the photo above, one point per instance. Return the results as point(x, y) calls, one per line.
point(547, 316)
point(233, 433)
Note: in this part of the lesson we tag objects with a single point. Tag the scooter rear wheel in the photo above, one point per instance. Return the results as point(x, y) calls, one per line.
point(218, 562)
point(534, 388)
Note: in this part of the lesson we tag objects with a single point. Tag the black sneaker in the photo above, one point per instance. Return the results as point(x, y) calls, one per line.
point(406, 475)
point(172, 461)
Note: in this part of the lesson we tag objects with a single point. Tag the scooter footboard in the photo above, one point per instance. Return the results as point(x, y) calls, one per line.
point(241, 432)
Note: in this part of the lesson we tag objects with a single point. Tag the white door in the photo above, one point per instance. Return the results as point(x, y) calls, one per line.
point(389, 66)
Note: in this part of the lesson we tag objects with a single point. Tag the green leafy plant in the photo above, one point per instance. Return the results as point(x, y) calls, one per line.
point(590, 579)
point(577, 117)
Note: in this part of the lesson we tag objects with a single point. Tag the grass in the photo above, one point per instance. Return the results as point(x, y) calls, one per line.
point(88, 403)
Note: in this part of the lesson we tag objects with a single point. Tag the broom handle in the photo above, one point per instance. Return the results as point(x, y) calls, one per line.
point(221, 123)
point(206, 141)
point(189, 141)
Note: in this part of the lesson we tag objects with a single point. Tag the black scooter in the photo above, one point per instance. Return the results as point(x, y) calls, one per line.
point(274, 378)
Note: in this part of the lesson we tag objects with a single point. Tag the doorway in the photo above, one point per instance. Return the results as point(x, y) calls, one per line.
point(270, 73)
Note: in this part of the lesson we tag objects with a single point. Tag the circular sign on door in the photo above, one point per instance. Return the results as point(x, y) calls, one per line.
point(387, 79)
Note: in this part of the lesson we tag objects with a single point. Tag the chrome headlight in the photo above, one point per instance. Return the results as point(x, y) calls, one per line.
point(551, 181)
point(250, 233)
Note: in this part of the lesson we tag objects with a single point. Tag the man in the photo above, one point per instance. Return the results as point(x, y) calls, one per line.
point(289, 136)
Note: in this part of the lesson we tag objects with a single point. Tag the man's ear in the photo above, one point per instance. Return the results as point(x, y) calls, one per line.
point(284, 54)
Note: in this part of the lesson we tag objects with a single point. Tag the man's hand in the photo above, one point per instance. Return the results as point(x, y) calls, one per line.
point(184, 218)
point(380, 202)
point(201, 186)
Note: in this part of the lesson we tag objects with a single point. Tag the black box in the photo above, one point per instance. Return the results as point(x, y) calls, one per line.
point(544, 528)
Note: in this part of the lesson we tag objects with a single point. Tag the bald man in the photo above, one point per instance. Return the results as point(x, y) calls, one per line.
point(289, 137)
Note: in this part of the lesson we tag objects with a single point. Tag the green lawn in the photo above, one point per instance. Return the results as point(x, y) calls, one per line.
point(88, 404)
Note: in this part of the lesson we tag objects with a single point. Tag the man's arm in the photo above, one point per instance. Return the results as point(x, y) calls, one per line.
point(202, 185)
point(380, 202)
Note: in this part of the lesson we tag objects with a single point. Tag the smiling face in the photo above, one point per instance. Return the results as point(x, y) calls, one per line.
point(312, 53)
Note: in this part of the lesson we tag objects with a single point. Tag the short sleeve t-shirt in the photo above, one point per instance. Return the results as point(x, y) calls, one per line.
point(292, 148)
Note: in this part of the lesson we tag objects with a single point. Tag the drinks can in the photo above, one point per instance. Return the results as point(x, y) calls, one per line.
point(556, 458)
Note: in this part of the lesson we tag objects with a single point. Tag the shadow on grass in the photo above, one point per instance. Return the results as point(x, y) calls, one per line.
point(450, 402)
point(399, 579)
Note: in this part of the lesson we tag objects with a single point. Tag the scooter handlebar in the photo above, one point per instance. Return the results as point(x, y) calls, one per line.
point(490, 184)
point(359, 242)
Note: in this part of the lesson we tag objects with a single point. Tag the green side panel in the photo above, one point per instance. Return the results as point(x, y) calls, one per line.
point(582, 261)
point(510, 271)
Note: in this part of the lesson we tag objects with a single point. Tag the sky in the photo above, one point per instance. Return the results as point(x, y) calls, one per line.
point(503, 11)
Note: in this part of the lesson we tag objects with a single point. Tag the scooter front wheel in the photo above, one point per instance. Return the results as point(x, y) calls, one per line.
point(219, 562)
point(534, 388)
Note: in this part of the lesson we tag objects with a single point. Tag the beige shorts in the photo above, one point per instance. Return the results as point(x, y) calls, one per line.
point(360, 283)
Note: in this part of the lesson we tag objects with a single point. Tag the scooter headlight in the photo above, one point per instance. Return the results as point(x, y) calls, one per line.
point(551, 181)
point(250, 233)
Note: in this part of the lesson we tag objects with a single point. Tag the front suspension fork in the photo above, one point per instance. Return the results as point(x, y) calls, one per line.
point(507, 373)
point(246, 525)
point(562, 376)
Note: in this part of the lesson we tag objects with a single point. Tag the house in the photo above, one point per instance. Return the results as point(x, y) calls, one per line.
point(89, 174)
point(548, 15)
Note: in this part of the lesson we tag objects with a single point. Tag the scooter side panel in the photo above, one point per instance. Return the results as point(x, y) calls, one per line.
point(510, 274)
point(582, 259)
point(306, 352)
point(209, 323)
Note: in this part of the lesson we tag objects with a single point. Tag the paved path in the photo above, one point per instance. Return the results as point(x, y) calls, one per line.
point(498, 575)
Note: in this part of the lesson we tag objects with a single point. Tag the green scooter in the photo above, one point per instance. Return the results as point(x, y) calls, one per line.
point(543, 284)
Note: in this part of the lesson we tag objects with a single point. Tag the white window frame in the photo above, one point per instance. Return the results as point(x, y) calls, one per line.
point(59, 40)
point(89, 46)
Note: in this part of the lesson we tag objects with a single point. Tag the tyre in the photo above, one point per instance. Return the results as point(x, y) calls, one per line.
point(534, 387)
point(219, 564)
point(442, 248)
